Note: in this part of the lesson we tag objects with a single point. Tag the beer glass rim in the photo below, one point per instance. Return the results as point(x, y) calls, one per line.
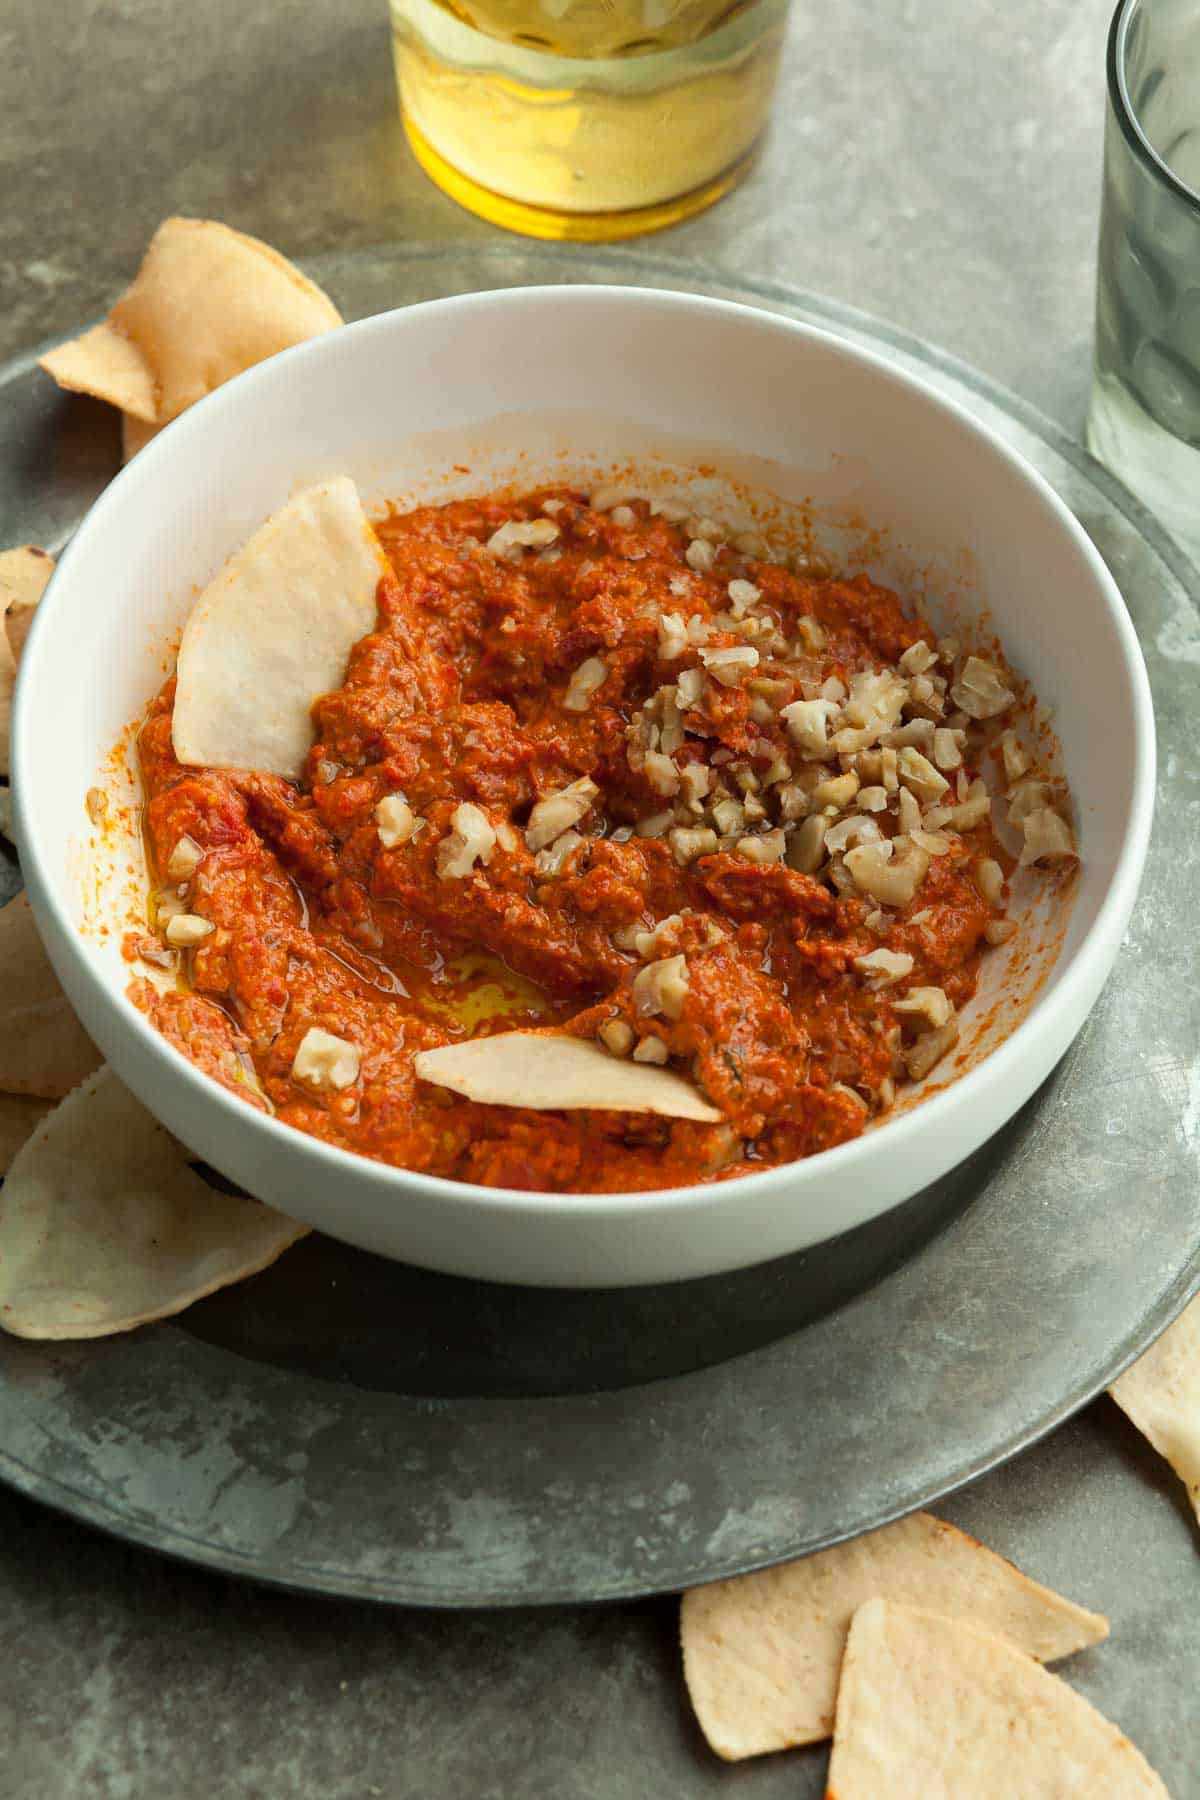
point(1126, 113)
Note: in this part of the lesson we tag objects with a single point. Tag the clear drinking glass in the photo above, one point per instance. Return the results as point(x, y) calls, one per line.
point(1144, 419)
point(586, 119)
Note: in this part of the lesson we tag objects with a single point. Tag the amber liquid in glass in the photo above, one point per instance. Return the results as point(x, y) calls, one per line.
point(584, 120)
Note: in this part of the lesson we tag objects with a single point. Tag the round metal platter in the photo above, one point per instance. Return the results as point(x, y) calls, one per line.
point(349, 1426)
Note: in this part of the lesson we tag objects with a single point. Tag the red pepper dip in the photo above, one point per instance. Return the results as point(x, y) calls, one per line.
point(598, 767)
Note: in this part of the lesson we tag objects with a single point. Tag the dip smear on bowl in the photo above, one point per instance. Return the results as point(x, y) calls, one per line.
point(596, 771)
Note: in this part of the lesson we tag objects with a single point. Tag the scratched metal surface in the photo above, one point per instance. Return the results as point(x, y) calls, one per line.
point(348, 1427)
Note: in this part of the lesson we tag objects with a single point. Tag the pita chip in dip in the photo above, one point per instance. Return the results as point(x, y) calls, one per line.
point(44, 1050)
point(104, 1227)
point(550, 1072)
point(931, 1706)
point(761, 1652)
point(206, 303)
point(274, 630)
point(1160, 1392)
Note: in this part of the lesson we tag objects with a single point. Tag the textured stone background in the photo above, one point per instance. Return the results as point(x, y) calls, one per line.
point(935, 163)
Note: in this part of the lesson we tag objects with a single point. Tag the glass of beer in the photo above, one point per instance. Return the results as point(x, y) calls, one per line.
point(586, 119)
point(1144, 420)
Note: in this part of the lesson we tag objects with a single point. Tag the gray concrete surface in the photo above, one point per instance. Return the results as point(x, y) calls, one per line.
point(937, 164)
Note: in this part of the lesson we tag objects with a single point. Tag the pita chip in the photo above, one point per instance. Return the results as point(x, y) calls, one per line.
point(207, 303)
point(107, 365)
point(23, 576)
point(135, 435)
point(44, 1050)
point(551, 1072)
point(19, 1116)
point(104, 1227)
point(929, 1705)
point(1161, 1394)
point(761, 1652)
point(273, 631)
point(8, 687)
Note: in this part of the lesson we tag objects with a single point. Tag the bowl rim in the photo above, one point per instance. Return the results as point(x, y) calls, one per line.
point(895, 1134)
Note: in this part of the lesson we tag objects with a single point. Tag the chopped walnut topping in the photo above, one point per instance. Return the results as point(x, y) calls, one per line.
point(929, 1049)
point(728, 815)
point(616, 1036)
point(587, 678)
point(661, 773)
point(838, 791)
point(325, 1062)
point(928, 1007)
point(672, 637)
point(689, 842)
point(655, 825)
point(806, 846)
point(989, 879)
point(673, 511)
point(947, 749)
point(471, 839)
point(695, 782)
point(1026, 797)
point(767, 848)
point(918, 658)
point(395, 821)
point(661, 988)
point(883, 967)
point(919, 775)
point(1047, 837)
point(856, 830)
point(743, 594)
point(689, 689)
point(652, 1050)
point(604, 498)
point(554, 858)
point(187, 929)
point(522, 534)
point(979, 691)
point(918, 734)
point(558, 812)
point(729, 665)
point(184, 859)
point(908, 811)
point(1016, 763)
point(971, 811)
point(890, 878)
point(700, 556)
point(807, 723)
point(649, 943)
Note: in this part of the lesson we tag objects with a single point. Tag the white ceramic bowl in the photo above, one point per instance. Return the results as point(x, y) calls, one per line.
point(517, 385)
